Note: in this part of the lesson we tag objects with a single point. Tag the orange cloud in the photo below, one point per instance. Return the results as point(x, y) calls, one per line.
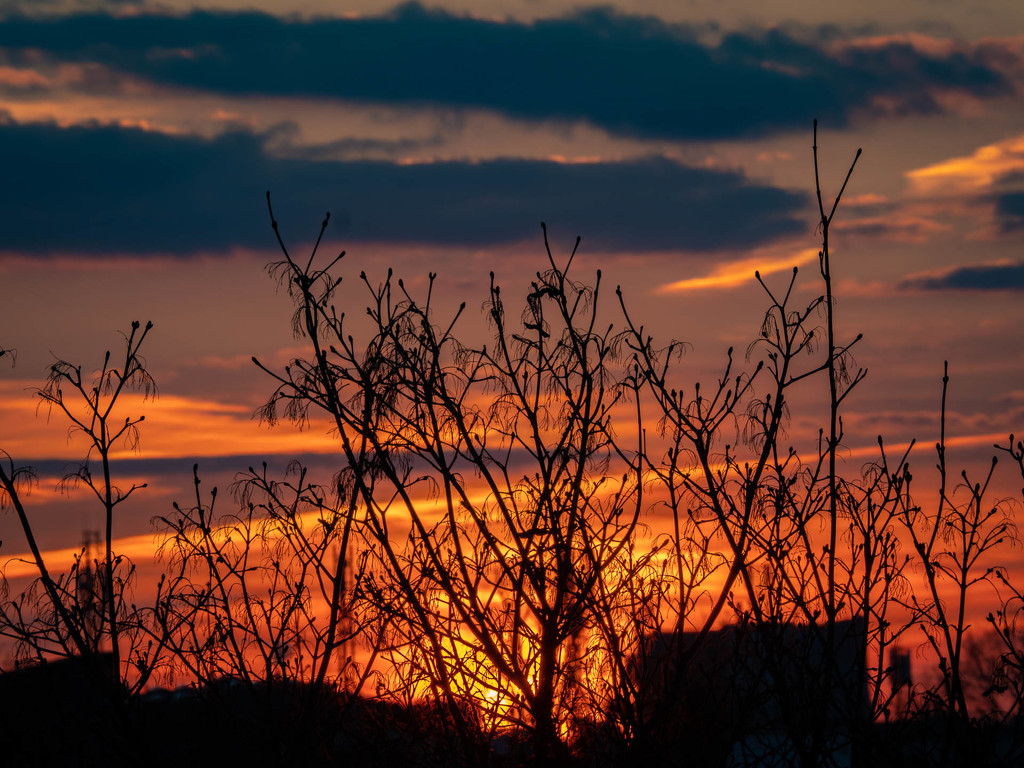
point(22, 78)
point(139, 548)
point(174, 426)
point(971, 174)
point(894, 228)
point(961, 441)
point(738, 272)
point(932, 46)
point(868, 199)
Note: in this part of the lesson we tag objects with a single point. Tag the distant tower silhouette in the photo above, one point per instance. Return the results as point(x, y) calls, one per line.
point(902, 682)
point(88, 587)
point(345, 629)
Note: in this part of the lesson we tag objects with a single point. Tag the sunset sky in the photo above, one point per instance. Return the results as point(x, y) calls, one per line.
point(137, 140)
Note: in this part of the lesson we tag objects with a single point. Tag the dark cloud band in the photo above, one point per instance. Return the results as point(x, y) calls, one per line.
point(630, 75)
point(983, 277)
point(1009, 208)
point(103, 189)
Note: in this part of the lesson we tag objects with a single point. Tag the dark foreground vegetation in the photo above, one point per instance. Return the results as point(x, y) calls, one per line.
point(478, 585)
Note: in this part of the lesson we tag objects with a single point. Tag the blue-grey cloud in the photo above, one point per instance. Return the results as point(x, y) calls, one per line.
point(628, 74)
point(1010, 211)
point(105, 189)
point(180, 467)
point(982, 277)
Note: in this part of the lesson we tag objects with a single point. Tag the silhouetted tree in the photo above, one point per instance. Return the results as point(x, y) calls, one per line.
point(515, 444)
point(87, 609)
point(478, 571)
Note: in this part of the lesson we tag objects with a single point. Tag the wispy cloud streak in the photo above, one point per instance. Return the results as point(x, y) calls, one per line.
point(739, 272)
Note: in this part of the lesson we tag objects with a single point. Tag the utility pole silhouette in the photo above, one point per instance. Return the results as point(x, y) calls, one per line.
point(89, 585)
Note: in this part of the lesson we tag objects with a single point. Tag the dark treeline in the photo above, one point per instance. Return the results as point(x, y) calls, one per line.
point(478, 583)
